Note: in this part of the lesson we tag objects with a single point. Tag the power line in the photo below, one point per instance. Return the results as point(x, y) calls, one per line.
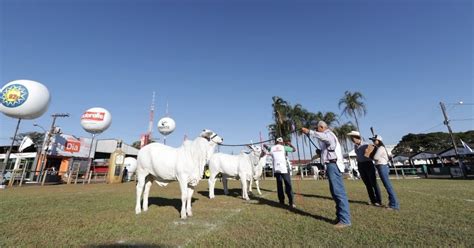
point(469, 119)
point(460, 103)
point(440, 124)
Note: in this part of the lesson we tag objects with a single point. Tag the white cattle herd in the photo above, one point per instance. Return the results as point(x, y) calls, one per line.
point(185, 164)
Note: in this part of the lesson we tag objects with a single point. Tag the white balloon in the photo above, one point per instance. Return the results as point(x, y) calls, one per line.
point(131, 164)
point(24, 99)
point(166, 125)
point(96, 120)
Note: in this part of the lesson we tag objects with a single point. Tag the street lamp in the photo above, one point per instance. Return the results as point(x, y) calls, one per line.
point(36, 125)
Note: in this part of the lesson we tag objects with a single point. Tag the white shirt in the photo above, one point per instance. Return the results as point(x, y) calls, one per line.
point(279, 158)
point(380, 156)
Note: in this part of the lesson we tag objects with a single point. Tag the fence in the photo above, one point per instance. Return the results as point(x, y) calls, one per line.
point(22, 175)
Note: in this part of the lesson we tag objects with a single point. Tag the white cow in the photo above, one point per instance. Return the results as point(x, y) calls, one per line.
point(240, 166)
point(258, 173)
point(164, 164)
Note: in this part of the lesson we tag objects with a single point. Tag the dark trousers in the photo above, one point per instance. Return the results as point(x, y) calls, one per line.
point(367, 173)
point(285, 177)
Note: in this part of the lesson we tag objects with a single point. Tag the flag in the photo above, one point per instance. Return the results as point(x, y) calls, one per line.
point(25, 143)
point(466, 146)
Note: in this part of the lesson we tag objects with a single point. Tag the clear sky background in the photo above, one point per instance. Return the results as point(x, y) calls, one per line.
point(218, 63)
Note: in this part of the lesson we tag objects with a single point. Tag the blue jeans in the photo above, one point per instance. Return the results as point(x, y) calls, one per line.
point(338, 192)
point(392, 197)
point(285, 177)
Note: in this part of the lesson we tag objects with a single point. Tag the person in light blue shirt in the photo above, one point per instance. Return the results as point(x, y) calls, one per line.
point(331, 156)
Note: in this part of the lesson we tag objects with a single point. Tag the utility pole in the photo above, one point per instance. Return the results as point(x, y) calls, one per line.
point(446, 122)
point(7, 156)
point(48, 141)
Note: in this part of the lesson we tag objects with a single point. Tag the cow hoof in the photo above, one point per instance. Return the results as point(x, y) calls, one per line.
point(137, 211)
point(183, 217)
point(190, 214)
point(212, 197)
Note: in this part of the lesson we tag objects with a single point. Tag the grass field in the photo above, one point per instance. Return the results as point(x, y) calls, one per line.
point(433, 213)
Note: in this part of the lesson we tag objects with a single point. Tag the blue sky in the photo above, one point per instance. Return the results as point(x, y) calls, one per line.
point(218, 63)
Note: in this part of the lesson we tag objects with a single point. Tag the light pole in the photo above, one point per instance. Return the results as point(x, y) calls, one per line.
point(7, 156)
point(48, 140)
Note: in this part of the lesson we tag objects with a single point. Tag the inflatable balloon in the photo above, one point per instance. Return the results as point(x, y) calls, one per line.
point(24, 99)
point(96, 120)
point(166, 125)
point(131, 164)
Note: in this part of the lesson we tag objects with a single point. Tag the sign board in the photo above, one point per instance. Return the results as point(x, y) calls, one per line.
point(69, 146)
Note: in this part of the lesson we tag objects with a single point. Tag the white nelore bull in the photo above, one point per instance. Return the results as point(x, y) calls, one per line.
point(242, 166)
point(164, 164)
point(258, 174)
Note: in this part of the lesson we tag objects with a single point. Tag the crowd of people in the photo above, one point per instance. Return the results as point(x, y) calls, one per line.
point(370, 158)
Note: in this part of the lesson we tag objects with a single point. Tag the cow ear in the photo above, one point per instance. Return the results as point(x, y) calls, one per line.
point(205, 133)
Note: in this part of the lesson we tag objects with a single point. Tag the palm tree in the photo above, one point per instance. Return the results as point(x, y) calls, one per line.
point(341, 133)
point(297, 115)
point(329, 117)
point(353, 105)
point(309, 119)
point(281, 113)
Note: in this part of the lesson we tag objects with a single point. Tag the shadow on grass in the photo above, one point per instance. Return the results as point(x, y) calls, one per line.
point(232, 192)
point(294, 210)
point(320, 197)
point(330, 198)
point(127, 245)
point(163, 202)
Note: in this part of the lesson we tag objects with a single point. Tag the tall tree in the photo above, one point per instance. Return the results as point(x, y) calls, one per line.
point(329, 117)
point(281, 113)
point(137, 144)
point(430, 142)
point(341, 133)
point(37, 138)
point(353, 106)
point(297, 115)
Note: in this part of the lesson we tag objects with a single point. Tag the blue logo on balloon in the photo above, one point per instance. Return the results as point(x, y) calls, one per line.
point(14, 95)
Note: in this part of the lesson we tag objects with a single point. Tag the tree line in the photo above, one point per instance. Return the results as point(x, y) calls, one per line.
point(430, 142)
point(288, 120)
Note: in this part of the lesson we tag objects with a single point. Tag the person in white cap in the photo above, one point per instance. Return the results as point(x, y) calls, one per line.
point(381, 163)
point(282, 170)
point(331, 156)
point(366, 169)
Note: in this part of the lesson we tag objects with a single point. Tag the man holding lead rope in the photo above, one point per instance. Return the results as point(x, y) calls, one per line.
point(331, 156)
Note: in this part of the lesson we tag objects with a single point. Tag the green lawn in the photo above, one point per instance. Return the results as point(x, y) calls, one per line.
point(433, 213)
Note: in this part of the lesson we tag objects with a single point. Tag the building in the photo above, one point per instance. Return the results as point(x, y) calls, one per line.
point(64, 154)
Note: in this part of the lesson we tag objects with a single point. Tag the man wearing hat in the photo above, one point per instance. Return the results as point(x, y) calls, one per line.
point(366, 168)
point(281, 169)
point(331, 156)
point(381, 159)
